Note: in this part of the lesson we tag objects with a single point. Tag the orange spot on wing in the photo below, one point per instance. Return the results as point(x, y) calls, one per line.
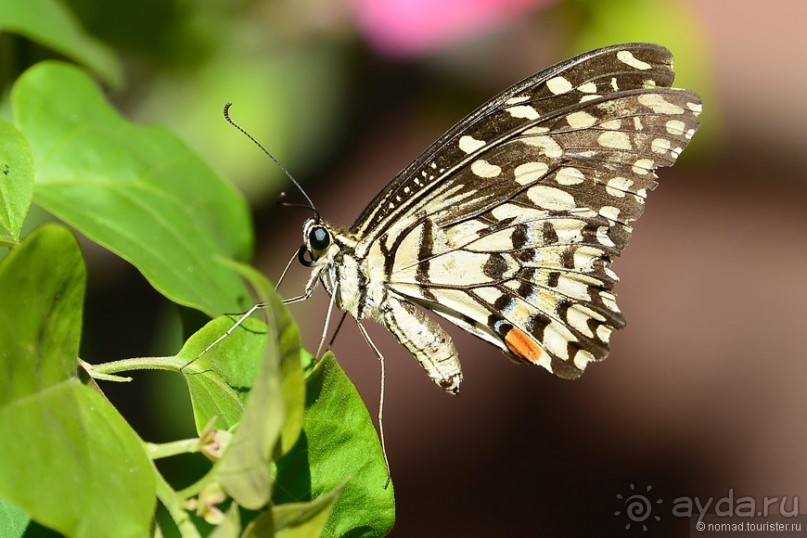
point(522, 345)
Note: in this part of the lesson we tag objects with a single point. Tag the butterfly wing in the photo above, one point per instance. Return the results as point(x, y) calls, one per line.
point(508, 223)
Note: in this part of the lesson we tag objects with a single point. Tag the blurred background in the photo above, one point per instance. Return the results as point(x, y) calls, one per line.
point(704, 393)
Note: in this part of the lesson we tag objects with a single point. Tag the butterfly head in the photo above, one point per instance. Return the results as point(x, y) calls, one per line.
point(317, 240)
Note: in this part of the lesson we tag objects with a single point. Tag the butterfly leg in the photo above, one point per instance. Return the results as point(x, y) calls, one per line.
point(378, 354)
point(427, 341)
point(327, 325)
point(229, 331)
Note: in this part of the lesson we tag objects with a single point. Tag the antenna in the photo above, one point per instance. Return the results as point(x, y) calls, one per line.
point(283, 168)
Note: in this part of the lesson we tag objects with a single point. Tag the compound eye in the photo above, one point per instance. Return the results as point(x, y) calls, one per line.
point(319, 238)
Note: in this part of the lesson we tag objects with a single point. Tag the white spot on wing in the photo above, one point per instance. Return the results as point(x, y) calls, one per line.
point(660, 145)
point(617, 186)
point(588, 87)
point(611, 125)
point(469, 144)
point(523, 111)
point(604, 333)
point(675, 127)
point(580, 120)
point(574, 287)
point(501, 240)
point(569, 176)
point(610, 212)
point(517, 99)
point(578, 320)
point(406, 255)
point(582, 358)
point(547, 145)
point(609, 300)
point(569, 230)
point(529, 172)
point(556, 339)
point(641, 194)
point(643, 166)
point(465, 231)
point(518, 212)
point(584, 258)
point(550, 198)
point(460, 268)
point(536, 130)
point(558, 85)
point(482, 168)
point(602, 236)
point(658, 104)
point(627, 58)
point(614, 140)
point(488, 294)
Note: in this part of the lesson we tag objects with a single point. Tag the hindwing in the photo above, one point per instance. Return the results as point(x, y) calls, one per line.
point(507, 225)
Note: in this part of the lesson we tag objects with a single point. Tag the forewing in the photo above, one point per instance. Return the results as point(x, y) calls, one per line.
point(514, 241)
point(563, 88)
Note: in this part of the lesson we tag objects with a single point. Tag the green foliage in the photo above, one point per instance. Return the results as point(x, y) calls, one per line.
point(335, 447)
point(294, 453)
point(59, 467)
point(50, 24)
point(138, 191)
point(42, 286)
point(16, 183)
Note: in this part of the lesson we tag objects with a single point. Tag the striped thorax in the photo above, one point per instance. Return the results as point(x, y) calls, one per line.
point(358, 287)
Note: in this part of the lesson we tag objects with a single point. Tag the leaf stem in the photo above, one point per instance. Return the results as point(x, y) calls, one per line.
point(173, 503)
point(174, 448)
point(172, 364)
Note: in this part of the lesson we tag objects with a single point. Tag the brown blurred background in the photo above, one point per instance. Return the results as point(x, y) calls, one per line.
point(704, 393)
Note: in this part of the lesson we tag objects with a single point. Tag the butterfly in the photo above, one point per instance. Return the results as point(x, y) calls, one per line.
point(507, 225)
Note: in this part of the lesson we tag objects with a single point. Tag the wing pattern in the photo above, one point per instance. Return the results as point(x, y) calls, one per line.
point(507, 225)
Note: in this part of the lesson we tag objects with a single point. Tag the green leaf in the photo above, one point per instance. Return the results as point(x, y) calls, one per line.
point(42, 285)
point(244, 471)
point(16, 182)
point(294, 520)
point(292, 378)
point(70, 460)
point(49, 23)
point(291, 369)
point(231, 526)
point(338, 446)
point(13, 520)
point(138, 191)
point(220, 379)
point(75, 465)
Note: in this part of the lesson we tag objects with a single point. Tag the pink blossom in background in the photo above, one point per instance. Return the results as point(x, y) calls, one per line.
point(415, 27)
